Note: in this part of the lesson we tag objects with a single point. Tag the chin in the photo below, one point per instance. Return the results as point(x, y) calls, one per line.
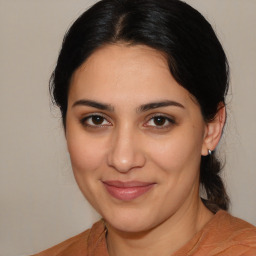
point(131, 221)
point(129, 226)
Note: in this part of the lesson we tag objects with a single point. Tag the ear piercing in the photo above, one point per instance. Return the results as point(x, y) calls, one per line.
point(209, 152)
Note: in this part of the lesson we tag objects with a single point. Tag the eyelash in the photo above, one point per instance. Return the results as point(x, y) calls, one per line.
point(171, 121)
point(85, 120)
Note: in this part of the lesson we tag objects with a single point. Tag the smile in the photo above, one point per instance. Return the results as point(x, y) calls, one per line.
point(127, 191)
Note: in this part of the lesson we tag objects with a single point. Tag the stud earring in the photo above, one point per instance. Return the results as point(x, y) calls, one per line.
point(209, 152)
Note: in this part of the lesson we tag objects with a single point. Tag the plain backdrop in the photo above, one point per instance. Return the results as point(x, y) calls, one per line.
point(39, 199)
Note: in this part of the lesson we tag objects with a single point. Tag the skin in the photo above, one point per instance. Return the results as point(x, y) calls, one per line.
point(126, 143)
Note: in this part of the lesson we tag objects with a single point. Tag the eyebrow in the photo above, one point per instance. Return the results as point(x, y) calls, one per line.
point(153, 105)
point(94, 104)
point(142, 108)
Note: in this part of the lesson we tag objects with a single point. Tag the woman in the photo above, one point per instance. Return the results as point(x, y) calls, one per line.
point(141, 86)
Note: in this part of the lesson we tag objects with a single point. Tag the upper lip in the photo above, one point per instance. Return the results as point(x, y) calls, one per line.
point(127, 184)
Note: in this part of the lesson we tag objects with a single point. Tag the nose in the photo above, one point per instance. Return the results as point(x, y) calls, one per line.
point(125, 153)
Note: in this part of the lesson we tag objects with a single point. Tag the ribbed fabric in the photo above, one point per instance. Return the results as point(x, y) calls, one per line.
point(223, 235)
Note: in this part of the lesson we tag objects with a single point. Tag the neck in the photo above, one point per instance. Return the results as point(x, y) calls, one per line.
point(164, 239)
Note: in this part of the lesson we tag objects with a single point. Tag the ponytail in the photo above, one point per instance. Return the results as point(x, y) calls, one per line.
point(212, 183)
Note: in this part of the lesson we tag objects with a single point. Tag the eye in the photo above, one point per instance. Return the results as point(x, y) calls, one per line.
point(95, 120)
point(160, 121)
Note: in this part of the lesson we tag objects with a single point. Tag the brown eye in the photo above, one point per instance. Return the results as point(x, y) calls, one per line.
point(95, 121)
point(159, 120)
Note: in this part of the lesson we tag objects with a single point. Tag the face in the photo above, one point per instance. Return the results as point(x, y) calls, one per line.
point(135, 137)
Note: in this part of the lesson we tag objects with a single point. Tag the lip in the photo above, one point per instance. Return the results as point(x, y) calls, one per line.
point(127, 191)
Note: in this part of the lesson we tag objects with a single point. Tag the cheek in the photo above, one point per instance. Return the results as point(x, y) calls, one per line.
point(82, 157)
point(86, 159)
point(84, 153)
point(178, 152)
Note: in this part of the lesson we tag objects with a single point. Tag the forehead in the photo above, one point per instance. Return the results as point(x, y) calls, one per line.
point(130, 74)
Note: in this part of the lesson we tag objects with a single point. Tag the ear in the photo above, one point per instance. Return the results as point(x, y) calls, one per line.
point(214, 130)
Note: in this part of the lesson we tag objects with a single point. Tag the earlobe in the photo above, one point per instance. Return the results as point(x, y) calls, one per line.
point(214, 130)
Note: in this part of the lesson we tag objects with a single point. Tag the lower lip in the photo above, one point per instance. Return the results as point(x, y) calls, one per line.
point(127, 193)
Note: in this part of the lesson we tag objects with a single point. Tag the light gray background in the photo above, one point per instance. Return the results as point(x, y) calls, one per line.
point(40, 202)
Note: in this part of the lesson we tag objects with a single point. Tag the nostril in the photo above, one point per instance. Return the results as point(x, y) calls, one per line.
point(124, 161)
point(125, 153)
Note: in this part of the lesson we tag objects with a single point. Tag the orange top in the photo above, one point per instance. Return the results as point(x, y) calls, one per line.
point(223, 235)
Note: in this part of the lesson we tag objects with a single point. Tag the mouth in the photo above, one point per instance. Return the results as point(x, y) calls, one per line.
point(127, 191)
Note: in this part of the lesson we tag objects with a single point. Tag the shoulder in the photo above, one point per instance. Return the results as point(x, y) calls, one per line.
point(223, 235)
point(80, 244)
point(228, 235)
point(233, 226)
